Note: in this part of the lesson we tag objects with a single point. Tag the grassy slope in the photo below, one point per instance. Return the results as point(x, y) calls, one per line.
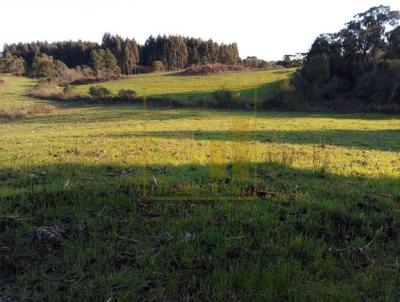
point(195, 88)
point(327, 186)
point(12, 92)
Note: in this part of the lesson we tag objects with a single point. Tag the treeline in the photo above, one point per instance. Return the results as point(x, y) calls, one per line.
point(357, 67)
point(116, 55)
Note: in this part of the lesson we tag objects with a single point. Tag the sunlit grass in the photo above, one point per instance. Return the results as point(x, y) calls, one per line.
point(195, 88)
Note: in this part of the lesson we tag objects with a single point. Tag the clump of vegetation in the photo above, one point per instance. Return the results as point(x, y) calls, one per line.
point(227, 99)
point(158, 66)
point(99, 92)
point(69, 91)
point(212, 69)
point(126, 94)
point(45, 88)
point(20, 112)
point(13, 64)
point(223, 97)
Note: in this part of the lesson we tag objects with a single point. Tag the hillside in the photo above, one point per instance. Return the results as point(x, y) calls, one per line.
point(192, 89)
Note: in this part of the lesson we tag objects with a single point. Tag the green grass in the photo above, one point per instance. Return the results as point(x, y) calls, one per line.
point(317, 218)
point(12, 92)
point(192, 89)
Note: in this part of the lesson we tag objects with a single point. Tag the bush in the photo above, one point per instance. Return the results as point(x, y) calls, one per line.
point(126, 94)
point(69, 90)
point(45, 88)
point(223, 98)
point(227, 99)
point(99, 92)
point(158, 66)
point(20, 112)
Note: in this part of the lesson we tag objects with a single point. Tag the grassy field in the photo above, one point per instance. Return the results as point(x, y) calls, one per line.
point(125, 203)
point(13, 90)
point(192, 89)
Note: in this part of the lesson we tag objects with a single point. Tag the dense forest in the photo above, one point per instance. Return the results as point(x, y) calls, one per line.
point(115, 55)
point(359, 65)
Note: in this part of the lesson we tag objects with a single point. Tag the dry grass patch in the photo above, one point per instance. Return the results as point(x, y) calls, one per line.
point(16, 113)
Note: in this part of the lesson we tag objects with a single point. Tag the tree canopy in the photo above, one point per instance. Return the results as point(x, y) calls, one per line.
point(359, 62)
point(174, 52)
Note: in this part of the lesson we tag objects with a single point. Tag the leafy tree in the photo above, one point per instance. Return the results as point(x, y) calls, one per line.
point(99, 92)
point(317, 69)
point(104, 63)
point(175, 52)
point(43, 66)
point(355, 61)
point(13, 65)
point(131, 56)
point(394, 76)
point(125, 51)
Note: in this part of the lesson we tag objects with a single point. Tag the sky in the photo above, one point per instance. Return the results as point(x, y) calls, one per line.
point(262, 28)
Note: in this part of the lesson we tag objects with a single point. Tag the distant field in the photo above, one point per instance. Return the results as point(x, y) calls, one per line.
point(195, 88)
point(194, 204)
point(13, 90)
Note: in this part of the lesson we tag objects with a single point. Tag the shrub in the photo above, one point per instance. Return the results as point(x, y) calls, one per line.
point(158, 66)
point(16, 113)
point(99, 92)
point(68, 90)
point(126, 94)
point(227, 99)
point(45, 88)
point(223, 98)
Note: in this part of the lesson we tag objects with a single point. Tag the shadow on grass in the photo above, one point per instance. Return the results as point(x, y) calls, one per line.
point(195, 181)
point(384, 140)
point(300, 223)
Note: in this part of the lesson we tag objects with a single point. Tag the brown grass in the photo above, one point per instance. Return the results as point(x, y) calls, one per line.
point(45, 90)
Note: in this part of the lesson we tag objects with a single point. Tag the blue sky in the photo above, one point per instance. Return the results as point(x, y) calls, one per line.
point(267, 29)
